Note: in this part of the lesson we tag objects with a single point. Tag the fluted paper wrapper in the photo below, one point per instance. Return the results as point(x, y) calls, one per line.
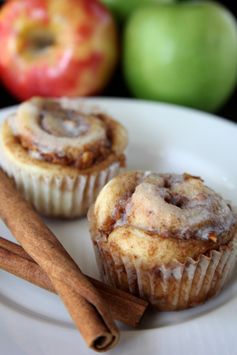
point(59, 195)
point(168, 288)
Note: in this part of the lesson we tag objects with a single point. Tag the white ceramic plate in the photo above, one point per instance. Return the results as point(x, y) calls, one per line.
point(163, 138)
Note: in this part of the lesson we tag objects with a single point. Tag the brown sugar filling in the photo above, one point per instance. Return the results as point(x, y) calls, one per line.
point(91, 156)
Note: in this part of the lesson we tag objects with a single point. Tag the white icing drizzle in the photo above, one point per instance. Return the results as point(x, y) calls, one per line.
point(55, 129)
point(72, 126)
point(180, 205)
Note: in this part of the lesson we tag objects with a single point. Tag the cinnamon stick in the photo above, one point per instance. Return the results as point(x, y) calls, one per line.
point(84, 303)
point(123, 306)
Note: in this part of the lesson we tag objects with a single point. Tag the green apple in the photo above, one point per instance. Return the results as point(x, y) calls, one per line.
point(182, 53)
point(121, 9)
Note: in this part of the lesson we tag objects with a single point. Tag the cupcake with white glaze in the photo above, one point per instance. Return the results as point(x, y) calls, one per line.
point(60, 153)
point(164, 237)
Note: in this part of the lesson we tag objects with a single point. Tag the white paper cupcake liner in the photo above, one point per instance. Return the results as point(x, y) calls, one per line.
point(59, 195)
point(168, 288)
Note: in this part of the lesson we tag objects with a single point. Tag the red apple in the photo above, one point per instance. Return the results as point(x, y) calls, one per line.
point(56, 47)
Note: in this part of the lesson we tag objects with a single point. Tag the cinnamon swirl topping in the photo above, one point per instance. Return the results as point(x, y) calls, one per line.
point(169, 205)
point(53, 131)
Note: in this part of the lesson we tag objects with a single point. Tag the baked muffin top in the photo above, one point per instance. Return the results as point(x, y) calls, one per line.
point(165, 205)
point(61, 131)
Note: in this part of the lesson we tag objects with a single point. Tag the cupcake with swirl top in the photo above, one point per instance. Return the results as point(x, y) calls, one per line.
point(165, 237)
point(60, 154)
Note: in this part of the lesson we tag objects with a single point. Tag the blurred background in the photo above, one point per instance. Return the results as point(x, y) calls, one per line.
point(124, 76)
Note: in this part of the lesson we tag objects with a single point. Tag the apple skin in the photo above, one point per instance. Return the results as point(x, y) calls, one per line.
point(122, 9)
point(56, 47)
point(182, 53)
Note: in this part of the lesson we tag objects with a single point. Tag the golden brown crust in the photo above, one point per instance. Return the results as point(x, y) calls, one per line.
point(17, 154)
point(155, 251)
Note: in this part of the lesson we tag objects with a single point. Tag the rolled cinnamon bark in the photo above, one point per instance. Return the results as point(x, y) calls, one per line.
point(123, 306)
point(83, 301)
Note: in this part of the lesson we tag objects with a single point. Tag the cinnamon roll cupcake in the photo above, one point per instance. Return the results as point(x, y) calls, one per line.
point(61, 154)
point(164, 237)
